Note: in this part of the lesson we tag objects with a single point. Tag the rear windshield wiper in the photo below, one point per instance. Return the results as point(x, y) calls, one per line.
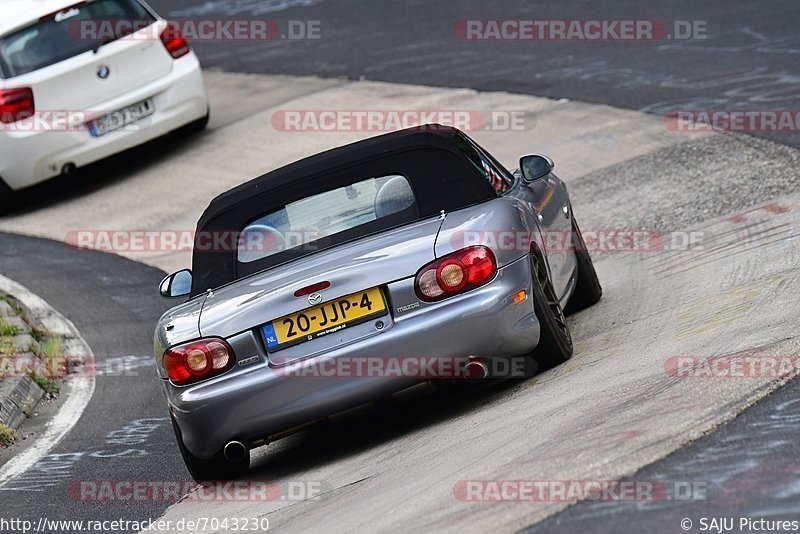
point(101, 43)
point(107, 40)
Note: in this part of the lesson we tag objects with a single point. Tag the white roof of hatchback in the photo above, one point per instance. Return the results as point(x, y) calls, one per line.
point(18, 13)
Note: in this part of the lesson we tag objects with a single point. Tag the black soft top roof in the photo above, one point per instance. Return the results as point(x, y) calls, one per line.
point(440, 173)
point(431, 135)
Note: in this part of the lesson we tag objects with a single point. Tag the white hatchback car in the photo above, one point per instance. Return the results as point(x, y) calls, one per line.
point(72, 92)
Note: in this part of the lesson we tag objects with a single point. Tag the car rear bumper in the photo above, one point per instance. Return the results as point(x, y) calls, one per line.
point(260, 399)
point(31, 155)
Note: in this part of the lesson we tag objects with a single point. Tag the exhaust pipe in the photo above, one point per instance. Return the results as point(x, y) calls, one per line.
point(69, 168)
point(235, 451)
point(475, 370)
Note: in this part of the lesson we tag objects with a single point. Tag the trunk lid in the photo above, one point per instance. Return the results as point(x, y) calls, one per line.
point(351, 267)
point(75, 83)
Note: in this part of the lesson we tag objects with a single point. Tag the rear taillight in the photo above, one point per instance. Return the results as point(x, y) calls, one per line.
point(455, 273)
point(16, 104)
point(174, 42)
point(198, 360)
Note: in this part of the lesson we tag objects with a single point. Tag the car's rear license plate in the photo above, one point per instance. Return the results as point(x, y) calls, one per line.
point(121, 118)
point(324, 319)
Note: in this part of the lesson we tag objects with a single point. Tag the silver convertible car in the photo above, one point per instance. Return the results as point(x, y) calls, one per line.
point(353, 274)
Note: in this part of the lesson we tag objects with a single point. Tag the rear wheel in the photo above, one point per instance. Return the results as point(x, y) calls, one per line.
point(6, 198)
point(215, 468)
point(195, 126)
point(587, 287)
point(555, 340)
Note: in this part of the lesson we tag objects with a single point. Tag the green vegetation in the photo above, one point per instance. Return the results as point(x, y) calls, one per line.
point(8, 329)
point(7, 346)
point(38, 335)
point(46, 347)
point(49, 351)
point(47, 384)
point(6, 434)
point(11, 302)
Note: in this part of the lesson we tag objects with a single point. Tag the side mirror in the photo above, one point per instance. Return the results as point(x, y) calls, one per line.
point(535, 167)
point(176, 285)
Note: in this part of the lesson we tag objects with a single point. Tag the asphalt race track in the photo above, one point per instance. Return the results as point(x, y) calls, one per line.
point(616, 411)
point(749, 466)
point(110, 300)
point(747, 62)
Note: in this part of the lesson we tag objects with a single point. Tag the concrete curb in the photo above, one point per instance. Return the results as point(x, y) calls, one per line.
point(18, 396)
point(76, 393)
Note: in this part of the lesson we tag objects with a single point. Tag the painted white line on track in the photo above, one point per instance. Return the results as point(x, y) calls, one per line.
point(78, 392)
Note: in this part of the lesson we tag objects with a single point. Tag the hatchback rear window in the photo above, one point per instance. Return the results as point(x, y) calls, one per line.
point(64, 34)
point(307, 220)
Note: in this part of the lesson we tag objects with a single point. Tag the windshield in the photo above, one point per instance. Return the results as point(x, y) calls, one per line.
point(69, 32)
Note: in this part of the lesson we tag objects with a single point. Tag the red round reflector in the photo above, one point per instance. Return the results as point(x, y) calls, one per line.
point(197, 360)
point(450, 276)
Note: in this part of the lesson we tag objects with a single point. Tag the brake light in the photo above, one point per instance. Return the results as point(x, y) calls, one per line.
point(16, 104)
point(174, 42)
point(312, 289)
point(198, 360)
point(455, 273)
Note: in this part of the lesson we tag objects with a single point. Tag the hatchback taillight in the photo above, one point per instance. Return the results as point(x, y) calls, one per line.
point(455, 273)
point(198, 360)
point(174, 42)
point(16, 104)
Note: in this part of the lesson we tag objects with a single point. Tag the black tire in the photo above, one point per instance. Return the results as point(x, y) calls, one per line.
point(587, 288)
point(215, 468)
point(6, 198)
point(555, 340)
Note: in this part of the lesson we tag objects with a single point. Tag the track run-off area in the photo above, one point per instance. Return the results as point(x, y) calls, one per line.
point(721, 282)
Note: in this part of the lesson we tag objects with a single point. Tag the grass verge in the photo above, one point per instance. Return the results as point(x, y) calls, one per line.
point(7, 435)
